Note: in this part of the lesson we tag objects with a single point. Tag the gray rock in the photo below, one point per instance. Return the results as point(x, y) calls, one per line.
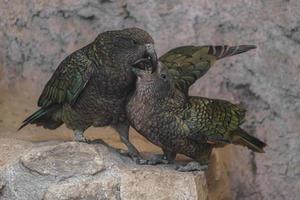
point(158, 183)
point(100, 188)
point(64, 160)
point(74, 170)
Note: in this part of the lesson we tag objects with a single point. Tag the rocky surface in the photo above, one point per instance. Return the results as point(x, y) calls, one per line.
point(36, 35)
point(74, 170)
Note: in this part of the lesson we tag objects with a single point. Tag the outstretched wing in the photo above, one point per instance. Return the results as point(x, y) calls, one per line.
point(68, 81)
point(186, 64)
point(214, 118)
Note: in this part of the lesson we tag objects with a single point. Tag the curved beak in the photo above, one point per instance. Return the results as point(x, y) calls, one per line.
point(137, 71)
point(149, 61)
point(150, 52)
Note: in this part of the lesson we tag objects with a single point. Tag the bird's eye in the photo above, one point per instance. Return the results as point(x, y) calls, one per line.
point(163, 76)
point(134, 42)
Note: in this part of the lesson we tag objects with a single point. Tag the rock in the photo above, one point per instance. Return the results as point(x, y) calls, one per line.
point(74, 170)
point(104, 188)
point(157, 183)
point(64, 160)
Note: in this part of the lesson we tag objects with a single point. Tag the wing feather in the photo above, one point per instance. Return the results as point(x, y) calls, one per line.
point(68, 81)
point(186, 64)
point(214, 118)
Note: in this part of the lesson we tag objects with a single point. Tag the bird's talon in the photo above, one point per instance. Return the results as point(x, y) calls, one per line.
point(124, 152)
point(192, 166)
point(140, 161)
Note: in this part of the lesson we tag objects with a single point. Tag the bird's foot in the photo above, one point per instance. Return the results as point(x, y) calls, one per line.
point(192, 166)
point(141, 161)
point(137, 158)
point(160, 159)
point(96, 141)
point(79, 136)
point(124, 152)
point(82, 139)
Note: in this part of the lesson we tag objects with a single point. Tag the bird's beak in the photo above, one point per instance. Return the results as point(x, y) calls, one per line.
point(137, 71)
point(150, 52)
point(149, 60)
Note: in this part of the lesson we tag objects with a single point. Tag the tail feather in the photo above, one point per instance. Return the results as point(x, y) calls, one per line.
point(38, 116)
point(225, 50)
point(253, 143)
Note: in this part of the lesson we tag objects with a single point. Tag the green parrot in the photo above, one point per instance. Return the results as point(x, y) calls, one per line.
point(90, 86)
point(178, 123)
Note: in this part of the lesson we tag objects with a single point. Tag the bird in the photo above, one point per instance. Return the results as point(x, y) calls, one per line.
point(188, 63)
point(90, 86)
point(188, 125)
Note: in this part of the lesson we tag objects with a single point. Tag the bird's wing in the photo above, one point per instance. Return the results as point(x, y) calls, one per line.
point(68, 81)
point(172, 124)
point(214, 118)
point(186, 64)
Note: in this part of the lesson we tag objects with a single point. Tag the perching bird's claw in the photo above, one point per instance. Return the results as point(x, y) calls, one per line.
point(135, 157)
point(160, 159)
point(138, 159)
point(192, 166)
point(141, 161)
point(96, 141)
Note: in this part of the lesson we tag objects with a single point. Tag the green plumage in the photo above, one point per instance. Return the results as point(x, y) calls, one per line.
point(90, 86)
point(186, 64)
point(182, 124)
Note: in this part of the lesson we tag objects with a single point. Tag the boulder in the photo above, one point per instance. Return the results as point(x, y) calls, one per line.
point(72, 170)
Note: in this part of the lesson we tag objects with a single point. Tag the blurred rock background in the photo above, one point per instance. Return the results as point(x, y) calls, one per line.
point(35, 35)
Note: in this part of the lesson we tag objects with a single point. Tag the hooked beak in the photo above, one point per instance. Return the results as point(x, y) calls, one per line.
point(141, 66)
point(147, 63)
point(137, 71)
point(151, 55)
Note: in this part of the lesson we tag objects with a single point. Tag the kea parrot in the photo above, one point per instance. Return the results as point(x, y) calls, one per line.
point(160, 110)
point(91, 85)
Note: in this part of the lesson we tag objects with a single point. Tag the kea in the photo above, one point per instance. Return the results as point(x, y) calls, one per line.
point(186, 64)
point(91, 85)
point(184, 124)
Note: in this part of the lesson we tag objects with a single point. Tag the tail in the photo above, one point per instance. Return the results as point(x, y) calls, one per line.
point(225, 51)
point(40, 117)
point(244, 139)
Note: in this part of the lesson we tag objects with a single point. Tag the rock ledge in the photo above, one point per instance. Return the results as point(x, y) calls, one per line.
point(73, 170)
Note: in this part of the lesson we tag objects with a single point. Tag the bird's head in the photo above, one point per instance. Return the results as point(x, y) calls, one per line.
point(158, 83)
point(129, 46)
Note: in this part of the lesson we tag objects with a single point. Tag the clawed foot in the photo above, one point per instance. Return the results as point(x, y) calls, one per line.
point(82, 139)
point(192, 166)
point(160, 159)
point(88, 141)
point(138, 159)
point(96, 141)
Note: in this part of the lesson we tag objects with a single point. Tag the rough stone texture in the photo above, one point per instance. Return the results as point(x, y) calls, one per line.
point(74, 170)
point(106, 188)
point(56, 160)
point(36, 35)
point(153, 184)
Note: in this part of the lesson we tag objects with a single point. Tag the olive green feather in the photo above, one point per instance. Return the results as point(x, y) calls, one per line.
point(186, 64)
point(68, 81)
